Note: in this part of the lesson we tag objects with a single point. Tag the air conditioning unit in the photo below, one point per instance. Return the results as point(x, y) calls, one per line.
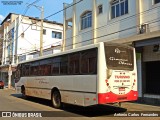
point(144, 28)
point(156, 48)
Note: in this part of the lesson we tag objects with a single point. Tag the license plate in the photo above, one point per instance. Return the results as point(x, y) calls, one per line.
point(121, 89)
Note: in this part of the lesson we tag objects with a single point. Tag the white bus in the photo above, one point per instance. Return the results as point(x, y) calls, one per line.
point(94, 74)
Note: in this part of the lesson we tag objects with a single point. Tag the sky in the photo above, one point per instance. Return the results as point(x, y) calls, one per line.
point(50, 7)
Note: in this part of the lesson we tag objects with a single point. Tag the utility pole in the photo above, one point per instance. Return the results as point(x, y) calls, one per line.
point(9, 76)
point(10, 61)
point(41, 32)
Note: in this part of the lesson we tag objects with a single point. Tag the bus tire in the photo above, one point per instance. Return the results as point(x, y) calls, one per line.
point(56, 99)
point(23, 92)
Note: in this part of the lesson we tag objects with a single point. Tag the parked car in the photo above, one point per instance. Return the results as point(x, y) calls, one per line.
point(1, 84)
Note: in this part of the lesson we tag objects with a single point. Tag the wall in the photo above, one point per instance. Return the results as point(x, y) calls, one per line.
point(149, 55)
point(31, 39)
point(150, 14)
point(106, 29)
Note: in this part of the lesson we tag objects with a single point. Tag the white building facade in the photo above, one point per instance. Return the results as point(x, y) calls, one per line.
point(21, 40)
point(133, 22)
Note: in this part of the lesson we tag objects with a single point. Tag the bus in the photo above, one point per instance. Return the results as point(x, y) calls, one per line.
point(100, 73)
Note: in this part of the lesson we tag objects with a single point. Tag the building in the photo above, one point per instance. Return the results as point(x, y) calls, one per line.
point(20, 36)
point(133, 22)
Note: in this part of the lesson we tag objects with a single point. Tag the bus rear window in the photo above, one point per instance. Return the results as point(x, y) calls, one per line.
point(119, 57)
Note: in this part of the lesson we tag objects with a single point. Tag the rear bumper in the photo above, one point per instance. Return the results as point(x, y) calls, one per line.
point(110, 97)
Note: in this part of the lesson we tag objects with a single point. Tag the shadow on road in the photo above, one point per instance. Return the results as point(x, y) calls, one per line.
point(94, 111)
point(34, 99)
point(91, 111)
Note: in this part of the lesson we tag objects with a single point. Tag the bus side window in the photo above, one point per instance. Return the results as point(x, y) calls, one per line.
point(45, 67)
point(64, 65)
point(92, 65)
point(74, 63)
point(34, 68)
point(56, 68)
point(89, 62)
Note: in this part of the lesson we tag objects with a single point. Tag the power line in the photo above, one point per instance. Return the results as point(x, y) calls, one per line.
point(62, 9)
point(107, 24)
point(25, 11)
point(101, 27)
point(103, 35)
point(107, 34)
point(44, 18)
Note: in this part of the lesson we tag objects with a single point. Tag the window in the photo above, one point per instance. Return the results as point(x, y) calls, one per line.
point(69, 23)
point(78, 63)
point(44, 31)
point(89, 62)
point(57, 35)
point(25, 69)
point(64, 65)
point(100, 9)
point(56, 66)
point(156, 1)
point(74, 63)
point(119, 8)
point(119, 58)
point(45, 67)
point(34, 68)
point(86, 20)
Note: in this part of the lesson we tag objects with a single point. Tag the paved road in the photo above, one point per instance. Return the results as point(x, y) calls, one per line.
point(10, 101)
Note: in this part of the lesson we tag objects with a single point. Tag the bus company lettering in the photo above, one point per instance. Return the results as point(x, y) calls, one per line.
point(124, 63)
point(122, 81)
point(122, 77)
point(121, 61)
point(117, 59)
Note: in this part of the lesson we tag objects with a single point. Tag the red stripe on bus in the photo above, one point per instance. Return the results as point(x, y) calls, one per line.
point(112, 98)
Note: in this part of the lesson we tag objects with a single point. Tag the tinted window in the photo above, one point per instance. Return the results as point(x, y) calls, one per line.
point(119, 58)
point(56, 66)
point(89, 61)
point(74, 60)
point(34, 68)
point(64, 65)
point(25, 69)
point(156, 1)
point(45, 67)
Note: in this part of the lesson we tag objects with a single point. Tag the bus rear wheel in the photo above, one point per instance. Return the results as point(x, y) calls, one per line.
point(56, 99)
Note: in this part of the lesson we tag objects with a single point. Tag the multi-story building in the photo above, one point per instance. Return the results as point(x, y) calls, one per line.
point(133, 22)
point(20, 36)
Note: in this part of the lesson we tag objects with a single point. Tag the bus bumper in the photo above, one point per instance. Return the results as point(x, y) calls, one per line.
point(110, 97)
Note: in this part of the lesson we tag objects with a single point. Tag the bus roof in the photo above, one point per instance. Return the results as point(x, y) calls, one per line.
point(63, 53)
point(74, 50)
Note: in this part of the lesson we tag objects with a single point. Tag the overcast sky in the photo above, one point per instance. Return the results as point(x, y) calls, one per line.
point(50, 7)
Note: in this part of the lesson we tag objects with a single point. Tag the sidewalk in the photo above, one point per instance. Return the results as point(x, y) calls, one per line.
point(12, 88)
